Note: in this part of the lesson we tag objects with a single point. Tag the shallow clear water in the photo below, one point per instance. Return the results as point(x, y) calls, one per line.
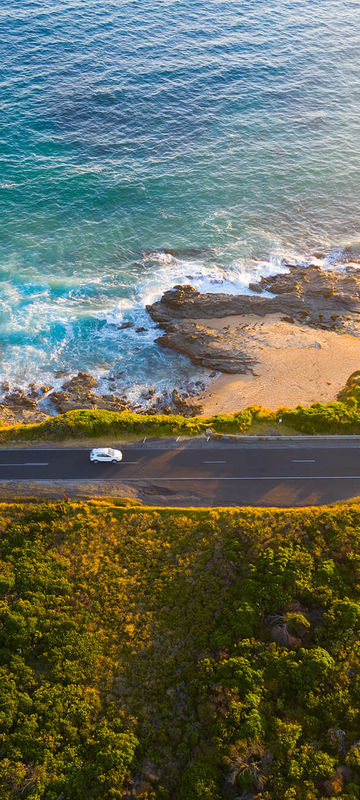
point(225, 131)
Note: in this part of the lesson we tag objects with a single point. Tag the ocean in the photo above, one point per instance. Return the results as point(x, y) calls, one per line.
point(145, 144)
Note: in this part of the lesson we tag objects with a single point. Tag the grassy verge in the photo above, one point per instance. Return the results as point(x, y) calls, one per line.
point(166, 654)
point(103, 424)
point(341, 417)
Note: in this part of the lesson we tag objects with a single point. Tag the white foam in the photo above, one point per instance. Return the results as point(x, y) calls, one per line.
point(338, 258)
point(10, 185)
point(205, 277)
point(114, 315)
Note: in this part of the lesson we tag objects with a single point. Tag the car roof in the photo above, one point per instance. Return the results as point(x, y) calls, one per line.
point(100, 450)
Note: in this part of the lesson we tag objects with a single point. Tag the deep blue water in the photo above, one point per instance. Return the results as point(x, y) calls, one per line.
point(230, 129)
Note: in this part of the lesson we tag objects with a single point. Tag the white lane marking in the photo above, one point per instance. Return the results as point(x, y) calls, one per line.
point(303, 460)
point(154, 478)
point(27, 464)
point(214, 462)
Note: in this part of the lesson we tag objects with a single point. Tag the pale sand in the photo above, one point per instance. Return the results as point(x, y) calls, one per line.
point(296, 365)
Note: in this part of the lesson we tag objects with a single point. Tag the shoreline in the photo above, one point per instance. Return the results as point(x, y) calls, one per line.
point(294, 341)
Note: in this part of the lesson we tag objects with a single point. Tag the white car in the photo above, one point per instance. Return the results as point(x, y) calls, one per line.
point(106, 454)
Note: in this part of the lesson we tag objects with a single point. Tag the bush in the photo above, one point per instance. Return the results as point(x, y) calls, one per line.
point(138, 654)
point(199, 782)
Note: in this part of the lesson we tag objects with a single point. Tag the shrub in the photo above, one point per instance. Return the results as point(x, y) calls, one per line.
point(199, 782)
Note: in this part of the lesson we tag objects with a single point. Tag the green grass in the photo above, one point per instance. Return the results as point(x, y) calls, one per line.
point(102, 424)
point(179, 655)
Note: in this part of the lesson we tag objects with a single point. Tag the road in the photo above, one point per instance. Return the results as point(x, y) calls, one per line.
point(268, 473)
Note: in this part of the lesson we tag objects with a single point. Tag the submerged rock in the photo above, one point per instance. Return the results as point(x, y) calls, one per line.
point(125, 325)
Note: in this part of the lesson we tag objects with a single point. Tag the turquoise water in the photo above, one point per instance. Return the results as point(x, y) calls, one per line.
point(228, 132)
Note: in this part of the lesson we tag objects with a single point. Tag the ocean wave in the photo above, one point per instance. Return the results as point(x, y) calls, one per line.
point(203, 276)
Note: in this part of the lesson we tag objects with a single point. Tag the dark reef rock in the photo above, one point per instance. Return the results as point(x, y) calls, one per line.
point(125, 325)
point(77, 393)
point(20, 406)
point(181, 252)
point(303, 289)
point(19, 399)
point(207, 347)
point(80, 383)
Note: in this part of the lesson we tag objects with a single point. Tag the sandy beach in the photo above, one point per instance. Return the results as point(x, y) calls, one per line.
point(295, 364)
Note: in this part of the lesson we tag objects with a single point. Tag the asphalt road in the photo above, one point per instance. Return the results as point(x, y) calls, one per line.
point(257, 473)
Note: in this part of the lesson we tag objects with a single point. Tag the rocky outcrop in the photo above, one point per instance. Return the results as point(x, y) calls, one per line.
point(308, 294)
point(176, 402)
point(78, 393)
point(20, 406)
point(305, 295)
point(207, 348)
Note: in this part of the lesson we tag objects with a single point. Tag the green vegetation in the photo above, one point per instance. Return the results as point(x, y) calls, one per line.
point(194, 655)
point(102, 424)
point(342, 416)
